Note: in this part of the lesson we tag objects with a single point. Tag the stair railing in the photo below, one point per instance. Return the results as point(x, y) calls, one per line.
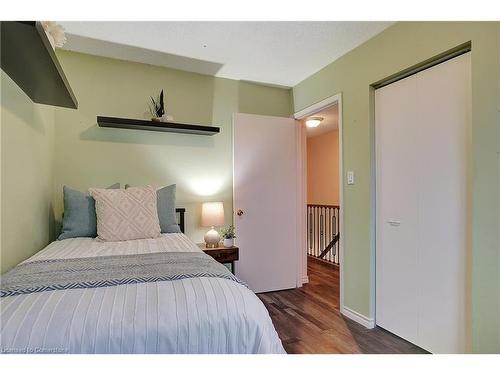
point(323, 232)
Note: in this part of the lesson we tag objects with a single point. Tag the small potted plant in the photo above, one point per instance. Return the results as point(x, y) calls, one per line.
point(228, 235)
point(157, 109)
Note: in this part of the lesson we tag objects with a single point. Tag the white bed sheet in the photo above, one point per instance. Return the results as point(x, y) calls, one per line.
point(197, 315)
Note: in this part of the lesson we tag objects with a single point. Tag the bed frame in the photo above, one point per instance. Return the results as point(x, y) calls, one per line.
point(181, 212)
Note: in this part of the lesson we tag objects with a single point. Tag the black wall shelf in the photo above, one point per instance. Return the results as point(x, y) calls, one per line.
point(172, 127)
point(29, 60)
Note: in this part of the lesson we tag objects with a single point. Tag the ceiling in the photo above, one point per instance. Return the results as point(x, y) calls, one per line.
point(330, 121)
point(274, 53)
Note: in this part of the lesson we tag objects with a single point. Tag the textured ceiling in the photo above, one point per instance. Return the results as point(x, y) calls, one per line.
point(277, 53)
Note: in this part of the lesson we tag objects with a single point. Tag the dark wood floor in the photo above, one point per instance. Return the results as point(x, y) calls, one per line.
point(308, 319)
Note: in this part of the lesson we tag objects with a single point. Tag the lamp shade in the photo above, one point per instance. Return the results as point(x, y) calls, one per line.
point(212, 214)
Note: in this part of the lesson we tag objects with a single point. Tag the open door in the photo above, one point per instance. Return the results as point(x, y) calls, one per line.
point(266, 201)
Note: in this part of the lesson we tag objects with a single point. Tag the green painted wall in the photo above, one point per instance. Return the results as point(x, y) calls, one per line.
point(401, 46)
point(264, 100)
point(27, 178)
point(44, 147)
point(498, 161)
point(201, 166)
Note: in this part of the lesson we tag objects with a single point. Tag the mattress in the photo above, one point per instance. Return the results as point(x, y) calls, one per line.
point(191, 315)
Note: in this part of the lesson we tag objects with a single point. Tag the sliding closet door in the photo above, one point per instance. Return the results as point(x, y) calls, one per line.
point(444, 97)
point(397, 152)
point(422, 126)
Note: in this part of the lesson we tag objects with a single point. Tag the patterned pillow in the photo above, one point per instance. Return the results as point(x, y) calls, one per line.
point(126, 214)
point(166, 209)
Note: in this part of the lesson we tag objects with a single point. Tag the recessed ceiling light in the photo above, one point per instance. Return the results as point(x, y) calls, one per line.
point(313, 122)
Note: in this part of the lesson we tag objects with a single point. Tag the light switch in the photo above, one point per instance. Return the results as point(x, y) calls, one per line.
point(350, 178)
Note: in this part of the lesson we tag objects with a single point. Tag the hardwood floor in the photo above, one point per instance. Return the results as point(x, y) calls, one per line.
point(308, 319)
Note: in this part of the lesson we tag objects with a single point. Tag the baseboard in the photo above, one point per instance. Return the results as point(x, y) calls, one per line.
point(305, 279)
point(357, 317)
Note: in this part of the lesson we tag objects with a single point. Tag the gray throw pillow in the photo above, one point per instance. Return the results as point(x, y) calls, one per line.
point(166, 209)
point(79, 218)
point(165, 203)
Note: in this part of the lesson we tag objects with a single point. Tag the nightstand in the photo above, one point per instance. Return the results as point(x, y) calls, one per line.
point(222, 254)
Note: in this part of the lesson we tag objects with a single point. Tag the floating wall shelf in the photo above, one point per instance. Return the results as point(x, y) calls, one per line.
point(172, 127)
point(29, 60)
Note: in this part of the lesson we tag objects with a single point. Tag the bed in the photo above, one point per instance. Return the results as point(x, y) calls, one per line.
point(194, 314)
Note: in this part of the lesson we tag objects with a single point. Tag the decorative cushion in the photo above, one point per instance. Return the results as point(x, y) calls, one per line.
point(166, 209)
point(79, 219)
point(126, 214)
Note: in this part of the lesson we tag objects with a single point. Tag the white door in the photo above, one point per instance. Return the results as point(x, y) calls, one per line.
point(266, 200)
point(422, 125)
point(397, 238)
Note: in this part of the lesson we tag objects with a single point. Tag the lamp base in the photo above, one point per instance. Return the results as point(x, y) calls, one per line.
point(212, 238)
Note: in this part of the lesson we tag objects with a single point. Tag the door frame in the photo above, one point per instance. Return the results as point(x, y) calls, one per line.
point(300, 115)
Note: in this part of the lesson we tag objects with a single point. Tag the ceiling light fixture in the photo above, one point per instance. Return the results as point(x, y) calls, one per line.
point(313, 122)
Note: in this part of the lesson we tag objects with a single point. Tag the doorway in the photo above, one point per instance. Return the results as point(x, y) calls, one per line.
point(323, 186)
point(322, 157)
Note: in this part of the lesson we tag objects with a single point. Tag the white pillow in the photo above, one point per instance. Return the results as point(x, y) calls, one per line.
point(126, 214)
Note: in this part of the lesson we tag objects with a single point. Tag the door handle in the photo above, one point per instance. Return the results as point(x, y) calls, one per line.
point(239, 212)
point(394, 223)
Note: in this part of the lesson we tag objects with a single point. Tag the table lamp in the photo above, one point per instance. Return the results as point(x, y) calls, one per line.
point(212, 214)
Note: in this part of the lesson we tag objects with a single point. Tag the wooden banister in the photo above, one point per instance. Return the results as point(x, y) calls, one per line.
point(323, 231)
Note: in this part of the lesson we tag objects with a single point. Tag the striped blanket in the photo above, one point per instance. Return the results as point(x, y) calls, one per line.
point(103, 271)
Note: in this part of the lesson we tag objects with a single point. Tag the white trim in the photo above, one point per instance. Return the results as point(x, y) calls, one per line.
point(341, 197)
point(337, 98)
point(316, 107)
point(357, 317)
point(305, 279)
point(301, 203)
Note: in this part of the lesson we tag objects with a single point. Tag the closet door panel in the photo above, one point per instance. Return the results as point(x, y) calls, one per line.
point(444, 114)
point(397, 276)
